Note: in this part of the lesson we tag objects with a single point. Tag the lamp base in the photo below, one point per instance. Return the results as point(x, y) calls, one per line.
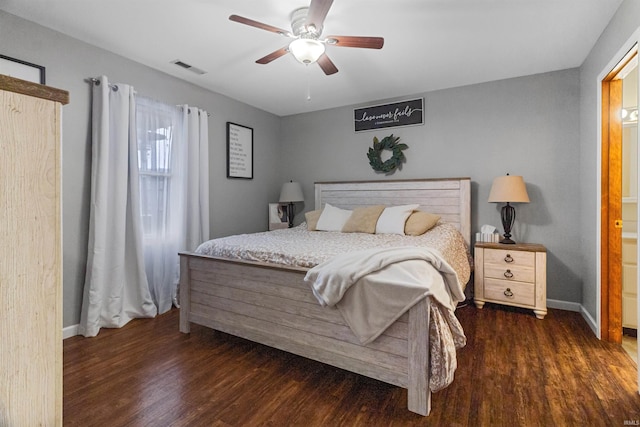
point(290, 214)
point(508, 216)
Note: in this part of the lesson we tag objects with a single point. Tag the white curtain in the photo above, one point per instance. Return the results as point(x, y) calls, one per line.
point(174, 177)
point(162, 164)
point(197, 182)
point(116, 288)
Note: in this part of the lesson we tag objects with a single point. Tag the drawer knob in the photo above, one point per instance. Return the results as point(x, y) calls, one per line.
point(508, 293)
point(508, 258)
point(508, 274)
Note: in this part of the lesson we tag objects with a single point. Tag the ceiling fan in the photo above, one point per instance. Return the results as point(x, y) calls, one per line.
point(307, 46)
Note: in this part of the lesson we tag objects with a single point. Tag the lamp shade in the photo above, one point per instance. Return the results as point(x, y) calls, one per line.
point(306, 51)
point(291, 192)
point(509, 188)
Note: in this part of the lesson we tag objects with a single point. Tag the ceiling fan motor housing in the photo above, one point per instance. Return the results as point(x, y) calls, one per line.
point(298, 27)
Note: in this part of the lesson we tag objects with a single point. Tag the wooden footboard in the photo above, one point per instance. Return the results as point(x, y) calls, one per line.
point(272, 305)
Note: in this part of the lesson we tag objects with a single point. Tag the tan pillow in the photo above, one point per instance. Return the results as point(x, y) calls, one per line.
point(419, 223)
point(312, 218)
point(363, 220)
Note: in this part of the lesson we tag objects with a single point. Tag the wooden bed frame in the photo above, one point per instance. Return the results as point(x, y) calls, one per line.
point(270, 304)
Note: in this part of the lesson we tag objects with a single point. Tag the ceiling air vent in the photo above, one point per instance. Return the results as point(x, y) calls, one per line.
point(188, 67)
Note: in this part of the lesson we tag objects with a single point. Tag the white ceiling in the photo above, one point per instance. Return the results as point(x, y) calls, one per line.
point(429, 44)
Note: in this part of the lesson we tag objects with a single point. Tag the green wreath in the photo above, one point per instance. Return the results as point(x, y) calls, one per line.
point(387, 143)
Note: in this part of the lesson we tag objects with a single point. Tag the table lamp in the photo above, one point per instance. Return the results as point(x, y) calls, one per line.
point(291, 192)
point(508, 189)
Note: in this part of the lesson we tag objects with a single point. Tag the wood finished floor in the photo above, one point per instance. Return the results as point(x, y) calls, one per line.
point(515, 371)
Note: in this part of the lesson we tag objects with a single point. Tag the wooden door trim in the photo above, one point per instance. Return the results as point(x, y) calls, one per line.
point(604, 217)
point(611, 210)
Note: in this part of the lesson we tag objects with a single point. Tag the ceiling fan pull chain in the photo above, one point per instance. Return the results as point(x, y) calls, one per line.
point(308, 83)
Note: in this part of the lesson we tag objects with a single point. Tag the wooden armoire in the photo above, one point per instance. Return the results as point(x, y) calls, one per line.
point(30, 254)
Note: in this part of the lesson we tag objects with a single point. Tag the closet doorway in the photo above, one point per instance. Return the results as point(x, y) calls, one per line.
point(629, 77)
point(619, 212)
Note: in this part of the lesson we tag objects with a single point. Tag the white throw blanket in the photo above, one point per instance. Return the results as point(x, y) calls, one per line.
point(373, 288)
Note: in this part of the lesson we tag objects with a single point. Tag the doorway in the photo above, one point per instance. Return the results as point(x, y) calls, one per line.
point(619, 199)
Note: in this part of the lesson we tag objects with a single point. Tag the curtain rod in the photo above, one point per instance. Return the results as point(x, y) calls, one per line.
point(181, 106)
point(93, 80)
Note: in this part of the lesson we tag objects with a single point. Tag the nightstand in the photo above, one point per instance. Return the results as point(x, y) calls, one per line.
point(513, 275)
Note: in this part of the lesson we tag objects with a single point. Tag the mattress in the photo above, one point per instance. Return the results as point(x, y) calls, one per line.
point(300, 247)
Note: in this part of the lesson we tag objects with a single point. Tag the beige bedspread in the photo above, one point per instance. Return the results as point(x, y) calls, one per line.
point(302, 248)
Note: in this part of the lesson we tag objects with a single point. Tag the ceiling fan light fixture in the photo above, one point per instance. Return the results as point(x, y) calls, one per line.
point(306, 51)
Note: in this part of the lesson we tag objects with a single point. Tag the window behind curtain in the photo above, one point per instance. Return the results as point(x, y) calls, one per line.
point(154, 165)
point(157, 134)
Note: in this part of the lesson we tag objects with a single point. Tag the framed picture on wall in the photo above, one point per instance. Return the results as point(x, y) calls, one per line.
point(239, 151)
point(278, 216)
point(22, 70)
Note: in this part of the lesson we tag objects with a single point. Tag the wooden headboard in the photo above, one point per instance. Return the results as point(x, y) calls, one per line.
point(448, 197)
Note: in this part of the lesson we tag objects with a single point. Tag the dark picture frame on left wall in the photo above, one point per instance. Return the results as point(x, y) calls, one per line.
point(22, 70)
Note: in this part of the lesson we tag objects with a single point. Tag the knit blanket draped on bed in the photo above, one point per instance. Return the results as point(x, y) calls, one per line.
point(373, 288)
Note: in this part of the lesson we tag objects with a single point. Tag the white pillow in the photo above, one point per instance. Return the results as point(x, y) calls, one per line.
point(332, 218)
point(392, 219)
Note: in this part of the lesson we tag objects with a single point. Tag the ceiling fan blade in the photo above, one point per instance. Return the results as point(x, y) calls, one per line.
point(327, 65)
point(318, 10)
point(262, 26)
point(273, 55)
point(356, 41)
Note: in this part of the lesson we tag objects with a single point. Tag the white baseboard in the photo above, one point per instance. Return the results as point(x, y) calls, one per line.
point(574, 306)
point(564, 305)
point(590, 321)
point(70, 331)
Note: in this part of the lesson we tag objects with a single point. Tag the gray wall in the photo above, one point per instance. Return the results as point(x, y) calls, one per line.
point(542, 127)
point(622, 26)
point(524, 126)
point(68, 63)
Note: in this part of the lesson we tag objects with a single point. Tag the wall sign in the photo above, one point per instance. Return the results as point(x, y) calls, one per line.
point(405, 113)
point(239, 151)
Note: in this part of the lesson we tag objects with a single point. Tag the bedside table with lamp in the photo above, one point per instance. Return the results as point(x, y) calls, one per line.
point(510, 273)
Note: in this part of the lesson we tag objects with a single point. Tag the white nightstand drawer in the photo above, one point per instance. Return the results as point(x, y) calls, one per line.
point(509, 257)
point(510, 272)
point(503, 291)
